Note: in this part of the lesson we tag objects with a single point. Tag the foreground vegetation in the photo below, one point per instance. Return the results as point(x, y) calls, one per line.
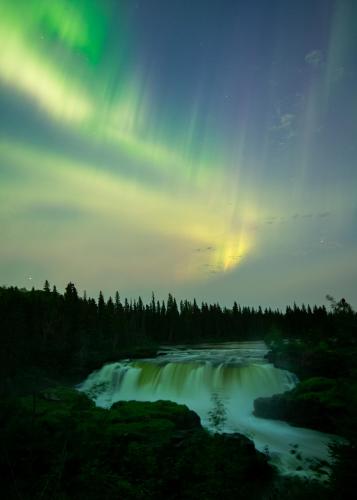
point(326, 397)
point(61, 446)
point(48, 335)
point(56, 444)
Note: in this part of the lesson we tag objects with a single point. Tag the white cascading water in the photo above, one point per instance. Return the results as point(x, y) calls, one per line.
point(234, 374)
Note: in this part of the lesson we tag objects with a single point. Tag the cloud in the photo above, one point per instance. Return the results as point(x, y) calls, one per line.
point(330, 244)
point(270, 220)
point(285, 128)
point(302, 216)
point(55, 212)
point(205, 249)
point(338, 74)
point(296, 216)
point(314, 58)
point(286, 120)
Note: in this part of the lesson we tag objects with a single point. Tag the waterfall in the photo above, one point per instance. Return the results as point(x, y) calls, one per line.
point(233, 374)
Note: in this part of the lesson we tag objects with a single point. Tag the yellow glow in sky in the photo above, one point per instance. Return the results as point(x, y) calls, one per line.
point(191, 223)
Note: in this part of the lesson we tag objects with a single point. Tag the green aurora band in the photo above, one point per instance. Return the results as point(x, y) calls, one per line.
point(166, 183)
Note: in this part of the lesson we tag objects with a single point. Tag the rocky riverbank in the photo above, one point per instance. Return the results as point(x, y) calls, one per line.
point(316, 403)
point(325, 399)
point(57, 444)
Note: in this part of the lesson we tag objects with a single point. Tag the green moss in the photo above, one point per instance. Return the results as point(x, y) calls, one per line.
point(62, 446)
point(316, 384)
point(179, 415)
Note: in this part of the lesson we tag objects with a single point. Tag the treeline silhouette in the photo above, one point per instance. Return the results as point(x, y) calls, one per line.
point(45, 328)
point(46, 336)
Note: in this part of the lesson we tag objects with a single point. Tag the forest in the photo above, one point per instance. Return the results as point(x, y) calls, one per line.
point(51, 341)
point(55, 331)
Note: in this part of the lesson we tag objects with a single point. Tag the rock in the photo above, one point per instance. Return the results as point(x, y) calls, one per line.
point(135, 450)
point(50, 396)
point(179, 415)
point(316, 403)
point(275, 407)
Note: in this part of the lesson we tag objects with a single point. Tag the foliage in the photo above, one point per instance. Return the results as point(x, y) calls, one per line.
point(218, 415)
point(62, 446)
point(68, 334)
point(57, 445)
point(326, 397)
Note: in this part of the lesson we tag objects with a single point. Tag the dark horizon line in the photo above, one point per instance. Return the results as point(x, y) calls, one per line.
point(131, 301)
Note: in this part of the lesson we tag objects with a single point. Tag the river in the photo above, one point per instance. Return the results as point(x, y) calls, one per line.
point(219, 382)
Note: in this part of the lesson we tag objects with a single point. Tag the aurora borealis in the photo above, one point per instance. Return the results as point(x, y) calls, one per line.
point(205, 148)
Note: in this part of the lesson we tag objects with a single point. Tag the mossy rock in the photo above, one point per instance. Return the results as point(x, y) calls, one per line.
point(316, 384)
point(56, 398)
point(319, 403)
point(62, 446)
point(179, 415)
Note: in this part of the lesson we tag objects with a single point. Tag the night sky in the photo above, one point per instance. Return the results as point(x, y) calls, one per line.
point(205, 148)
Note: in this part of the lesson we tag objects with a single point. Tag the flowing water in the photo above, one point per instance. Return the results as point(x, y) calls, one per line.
point(219, 382)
